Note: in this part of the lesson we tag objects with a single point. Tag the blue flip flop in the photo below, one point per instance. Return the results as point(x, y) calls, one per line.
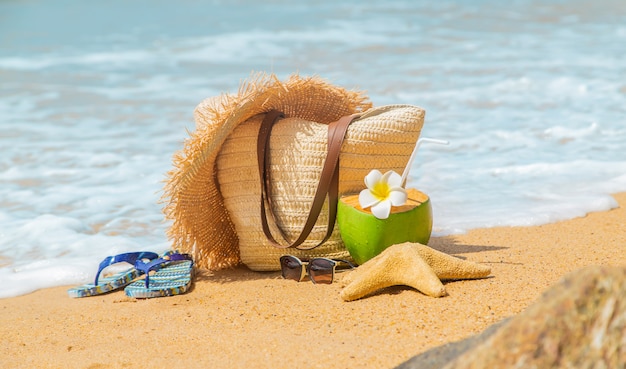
point(112, 282)
point(172, 276)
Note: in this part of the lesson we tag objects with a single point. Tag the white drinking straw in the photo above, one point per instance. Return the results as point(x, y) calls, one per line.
point(405, 174)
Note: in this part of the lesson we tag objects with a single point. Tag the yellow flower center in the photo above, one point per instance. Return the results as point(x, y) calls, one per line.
point(381, 191)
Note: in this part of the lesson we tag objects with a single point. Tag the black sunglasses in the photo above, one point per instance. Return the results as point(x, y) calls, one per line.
point(320, 270)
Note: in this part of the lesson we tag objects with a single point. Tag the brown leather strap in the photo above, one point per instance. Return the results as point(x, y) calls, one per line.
point(263, 149)
point(328, 184)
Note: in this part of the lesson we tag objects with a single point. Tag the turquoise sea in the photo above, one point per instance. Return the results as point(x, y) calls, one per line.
point(96, 96)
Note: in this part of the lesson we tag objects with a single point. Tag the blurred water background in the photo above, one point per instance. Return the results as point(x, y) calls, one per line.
point(96, 96)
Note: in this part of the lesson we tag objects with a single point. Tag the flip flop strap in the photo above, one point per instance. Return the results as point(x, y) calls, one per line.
point(157, 264)
point(129, 257)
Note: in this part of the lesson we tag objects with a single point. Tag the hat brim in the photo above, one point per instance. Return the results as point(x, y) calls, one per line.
point(201, 223)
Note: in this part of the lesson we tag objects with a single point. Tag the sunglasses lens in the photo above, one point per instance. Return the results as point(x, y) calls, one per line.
point(322, 270)
point(291, 268)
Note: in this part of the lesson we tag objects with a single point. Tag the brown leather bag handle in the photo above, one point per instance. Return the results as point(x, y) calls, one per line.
point(328, 184)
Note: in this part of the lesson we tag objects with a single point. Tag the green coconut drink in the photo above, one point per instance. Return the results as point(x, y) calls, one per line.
point(385, 213)
point(366, 236)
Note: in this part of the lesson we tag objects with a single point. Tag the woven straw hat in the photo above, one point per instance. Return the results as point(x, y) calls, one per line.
point(201, 223)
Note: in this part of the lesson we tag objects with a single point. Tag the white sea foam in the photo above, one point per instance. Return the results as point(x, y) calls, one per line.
point(529, 97)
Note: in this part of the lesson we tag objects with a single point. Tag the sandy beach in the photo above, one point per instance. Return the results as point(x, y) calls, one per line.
point(242, 319)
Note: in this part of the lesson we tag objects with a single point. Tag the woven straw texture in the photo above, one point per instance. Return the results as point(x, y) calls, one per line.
point(383, 138)
point(201, 224)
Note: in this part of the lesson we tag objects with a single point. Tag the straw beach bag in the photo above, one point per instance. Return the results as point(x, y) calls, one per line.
point(214, 192)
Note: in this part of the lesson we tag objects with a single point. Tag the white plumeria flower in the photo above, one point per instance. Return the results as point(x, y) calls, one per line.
point(383, 191)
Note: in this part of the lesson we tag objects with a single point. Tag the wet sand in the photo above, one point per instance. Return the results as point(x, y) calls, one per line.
point(242, 319)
